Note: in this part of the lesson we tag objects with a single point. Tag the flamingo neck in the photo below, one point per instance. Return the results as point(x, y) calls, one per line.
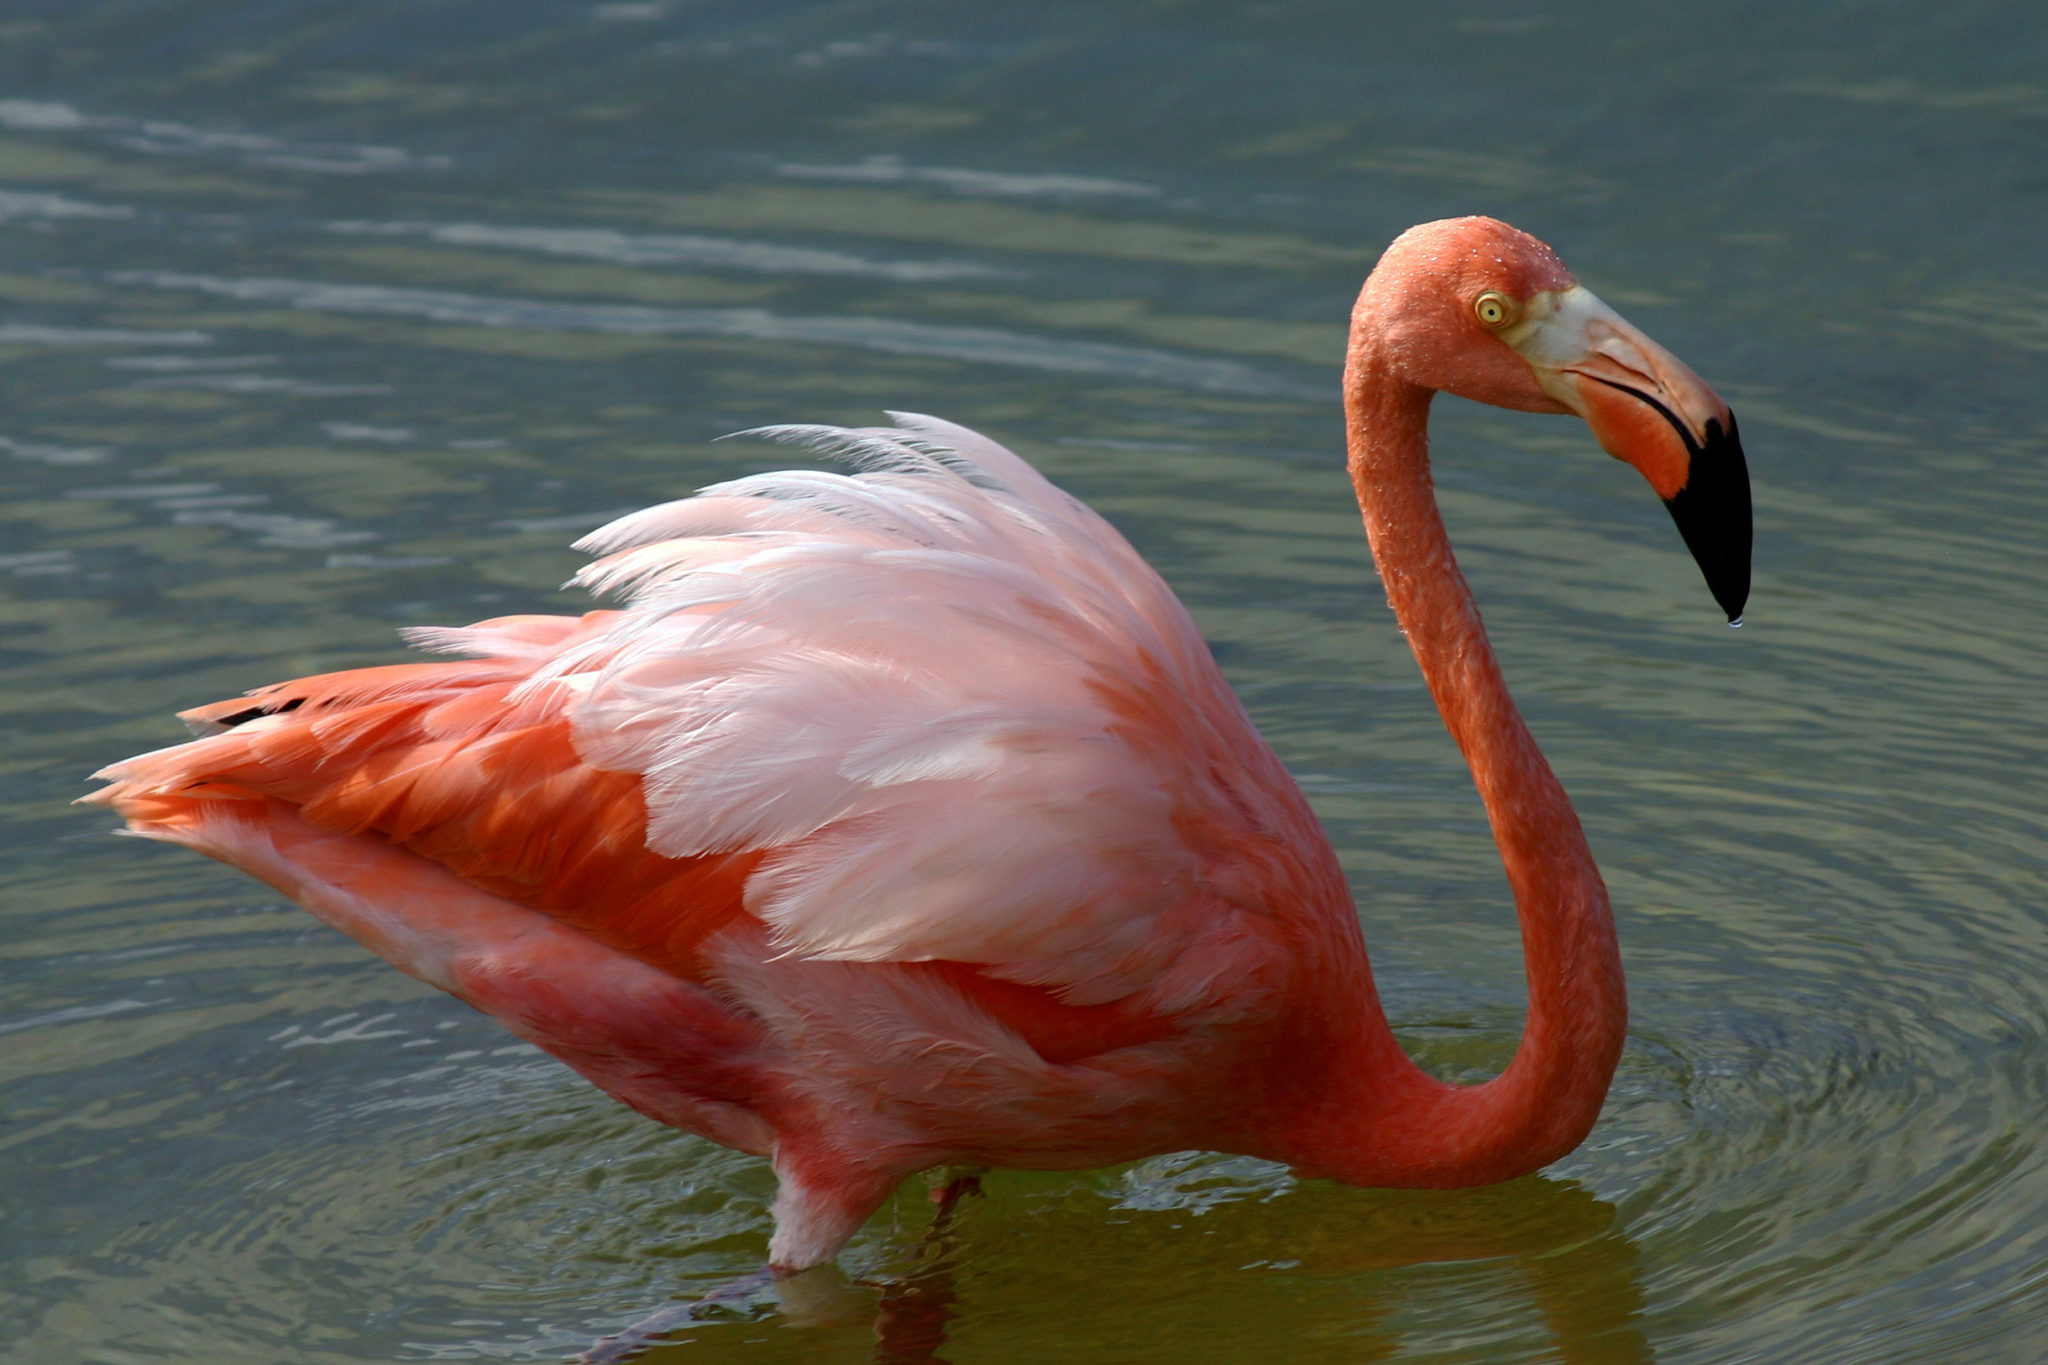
point(1388, 1122)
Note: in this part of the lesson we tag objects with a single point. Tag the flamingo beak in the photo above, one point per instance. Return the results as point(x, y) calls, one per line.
point(1647, 408)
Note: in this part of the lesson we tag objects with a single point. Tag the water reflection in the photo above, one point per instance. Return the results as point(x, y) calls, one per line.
point(1410, 1265)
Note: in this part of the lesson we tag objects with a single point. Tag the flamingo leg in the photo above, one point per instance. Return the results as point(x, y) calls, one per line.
point(910, 1325)
point(948, 1188)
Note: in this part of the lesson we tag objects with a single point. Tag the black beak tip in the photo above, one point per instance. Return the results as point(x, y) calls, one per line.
point(1713, 515)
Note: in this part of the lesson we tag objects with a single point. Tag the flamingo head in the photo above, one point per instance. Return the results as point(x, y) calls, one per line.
point(1474, 307)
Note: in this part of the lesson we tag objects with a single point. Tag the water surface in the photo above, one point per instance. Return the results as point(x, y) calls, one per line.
point(318, 320)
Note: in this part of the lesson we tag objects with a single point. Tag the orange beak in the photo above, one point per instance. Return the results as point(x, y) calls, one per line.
point(1647, 408)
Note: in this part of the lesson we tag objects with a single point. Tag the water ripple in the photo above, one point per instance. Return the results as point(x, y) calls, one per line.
point(893, 336)
point(704, 253)
point(162, 137)
point(25, 204)
point(893, 170)
point(36, 334)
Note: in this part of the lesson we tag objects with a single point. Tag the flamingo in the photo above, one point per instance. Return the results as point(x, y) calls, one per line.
point(900, 819)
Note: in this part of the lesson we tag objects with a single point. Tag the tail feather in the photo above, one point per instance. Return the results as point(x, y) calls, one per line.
point(442, 761)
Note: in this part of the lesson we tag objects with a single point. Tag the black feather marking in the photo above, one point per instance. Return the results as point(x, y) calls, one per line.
point(258, 712)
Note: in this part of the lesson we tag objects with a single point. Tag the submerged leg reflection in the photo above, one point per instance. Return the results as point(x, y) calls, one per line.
point(910, 1324)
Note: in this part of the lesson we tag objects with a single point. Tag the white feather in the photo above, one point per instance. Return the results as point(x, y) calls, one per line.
point(958, 712)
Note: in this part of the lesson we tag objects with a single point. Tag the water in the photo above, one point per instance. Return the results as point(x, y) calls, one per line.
point(321, 320)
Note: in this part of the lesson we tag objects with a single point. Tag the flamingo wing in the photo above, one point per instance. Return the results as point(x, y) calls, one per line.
point(956, 713)
point(934, 714)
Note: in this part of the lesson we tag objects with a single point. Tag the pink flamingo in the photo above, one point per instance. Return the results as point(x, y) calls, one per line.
point(901, 819)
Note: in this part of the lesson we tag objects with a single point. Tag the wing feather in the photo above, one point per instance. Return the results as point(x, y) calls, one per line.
point(934, 710)
point(956, 714)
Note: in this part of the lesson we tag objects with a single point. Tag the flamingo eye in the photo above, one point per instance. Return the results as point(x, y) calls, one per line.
point(1494, 308)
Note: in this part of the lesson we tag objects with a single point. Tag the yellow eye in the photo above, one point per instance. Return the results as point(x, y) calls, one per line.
point(1494, 308)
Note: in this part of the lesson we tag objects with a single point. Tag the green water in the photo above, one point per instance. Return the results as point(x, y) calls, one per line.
point(319, 319)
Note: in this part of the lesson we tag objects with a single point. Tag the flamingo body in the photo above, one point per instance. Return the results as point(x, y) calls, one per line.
point(901, 818)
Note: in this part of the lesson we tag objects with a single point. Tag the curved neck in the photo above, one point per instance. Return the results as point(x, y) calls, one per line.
point(1390, 1123)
